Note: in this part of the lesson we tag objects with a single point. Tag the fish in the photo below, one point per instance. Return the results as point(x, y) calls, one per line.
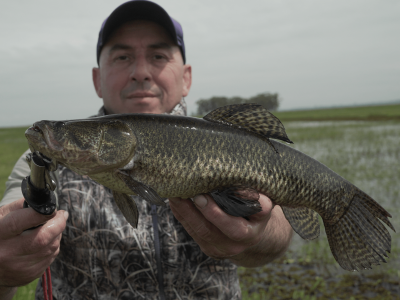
point(234, 153)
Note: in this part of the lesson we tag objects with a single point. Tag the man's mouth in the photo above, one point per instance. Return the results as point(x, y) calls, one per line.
point(141, 95)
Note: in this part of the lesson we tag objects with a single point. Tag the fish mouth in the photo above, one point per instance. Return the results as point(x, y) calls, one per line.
point(36, 128)
point(34, 132)
point(41, 138)
point(34, 135)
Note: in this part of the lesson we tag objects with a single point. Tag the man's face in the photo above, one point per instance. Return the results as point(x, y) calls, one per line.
point(141, 70)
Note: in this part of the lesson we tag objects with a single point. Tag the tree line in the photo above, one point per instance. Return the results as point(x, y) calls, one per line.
point(268, 100)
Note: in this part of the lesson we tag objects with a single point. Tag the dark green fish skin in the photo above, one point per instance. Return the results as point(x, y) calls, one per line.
point(163, 156)
point(174, 152)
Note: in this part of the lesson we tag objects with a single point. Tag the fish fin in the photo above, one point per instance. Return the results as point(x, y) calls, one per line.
point(117, 143)
point(250, 117)
point(303, 220)
point(237, 201)
point(359, 240)
point(144, 191)
point(128, 207)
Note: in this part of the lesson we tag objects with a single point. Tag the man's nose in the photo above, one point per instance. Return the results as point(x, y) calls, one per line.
point(141, 70)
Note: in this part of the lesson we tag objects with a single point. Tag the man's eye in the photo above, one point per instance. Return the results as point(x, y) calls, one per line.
point(122, 57)
point(158, 57)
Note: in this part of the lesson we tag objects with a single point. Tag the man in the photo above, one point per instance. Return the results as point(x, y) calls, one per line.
point(142, 69)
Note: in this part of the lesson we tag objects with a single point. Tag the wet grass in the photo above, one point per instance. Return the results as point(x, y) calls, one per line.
point(367, 154)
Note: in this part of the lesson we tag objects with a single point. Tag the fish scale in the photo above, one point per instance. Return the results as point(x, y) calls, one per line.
point(232, 149)
point(229, 155)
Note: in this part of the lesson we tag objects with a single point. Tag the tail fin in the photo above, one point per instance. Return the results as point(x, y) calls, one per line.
point(359, 240)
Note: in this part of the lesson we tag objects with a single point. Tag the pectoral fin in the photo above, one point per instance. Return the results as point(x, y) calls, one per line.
point(144, 191)
point(128, 207)
point(237, 201)
point(303, 220)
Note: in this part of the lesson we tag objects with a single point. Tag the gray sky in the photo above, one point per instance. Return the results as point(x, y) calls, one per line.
point(313, 53)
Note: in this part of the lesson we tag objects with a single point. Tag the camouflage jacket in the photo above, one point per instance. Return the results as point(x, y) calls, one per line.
point(103, 257)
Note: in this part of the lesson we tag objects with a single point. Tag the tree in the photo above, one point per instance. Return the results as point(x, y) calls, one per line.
point(204, 106)
point(268, 100)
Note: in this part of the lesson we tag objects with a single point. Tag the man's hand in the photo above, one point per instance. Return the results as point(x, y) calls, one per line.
point(24, 256)
point(250, 243)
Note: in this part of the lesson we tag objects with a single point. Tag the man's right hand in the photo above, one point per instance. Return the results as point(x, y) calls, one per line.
point(25, 255)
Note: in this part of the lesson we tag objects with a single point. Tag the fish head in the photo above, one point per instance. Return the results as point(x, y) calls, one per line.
point(87, 146)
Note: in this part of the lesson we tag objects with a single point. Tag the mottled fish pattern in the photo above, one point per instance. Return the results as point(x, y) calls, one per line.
point(103, 257)
point(163, 156)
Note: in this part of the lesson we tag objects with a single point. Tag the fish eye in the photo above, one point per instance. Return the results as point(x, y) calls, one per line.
point(59, 124)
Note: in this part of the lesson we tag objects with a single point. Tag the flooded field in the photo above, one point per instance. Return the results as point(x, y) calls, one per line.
point(368, 155)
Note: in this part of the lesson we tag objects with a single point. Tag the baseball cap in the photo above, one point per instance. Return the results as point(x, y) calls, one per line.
point(140, 10)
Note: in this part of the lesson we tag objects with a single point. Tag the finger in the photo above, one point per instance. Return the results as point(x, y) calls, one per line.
point(206, 235)
point(27, 271)
point(265, 214)
point(41, 239)
point(45, 254)
point(16, 221)
point(236, 228)
point(216, 250)
point(6, 209)
point(265, 203)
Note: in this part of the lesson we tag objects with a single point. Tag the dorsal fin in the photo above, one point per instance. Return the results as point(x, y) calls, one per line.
point(250, 117)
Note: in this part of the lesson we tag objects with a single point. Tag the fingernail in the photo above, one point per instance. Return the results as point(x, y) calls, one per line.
point(65, 215)
point(200, 201)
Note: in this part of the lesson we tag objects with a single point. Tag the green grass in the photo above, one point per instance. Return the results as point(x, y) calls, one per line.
point(378, 112)
point(26, 292)
point(12, 144)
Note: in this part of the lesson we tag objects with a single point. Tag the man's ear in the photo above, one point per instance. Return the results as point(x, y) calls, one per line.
point(187, 80)
point(97, 81)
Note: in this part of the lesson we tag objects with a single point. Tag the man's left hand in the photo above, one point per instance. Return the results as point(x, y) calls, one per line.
point(262, 238)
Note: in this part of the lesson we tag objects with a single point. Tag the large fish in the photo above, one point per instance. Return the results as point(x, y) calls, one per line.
point(227, 154)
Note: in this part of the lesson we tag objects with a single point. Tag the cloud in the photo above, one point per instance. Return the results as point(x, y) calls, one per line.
point(313, 53)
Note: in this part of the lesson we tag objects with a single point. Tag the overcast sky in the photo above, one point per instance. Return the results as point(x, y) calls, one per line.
point(313, 53)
